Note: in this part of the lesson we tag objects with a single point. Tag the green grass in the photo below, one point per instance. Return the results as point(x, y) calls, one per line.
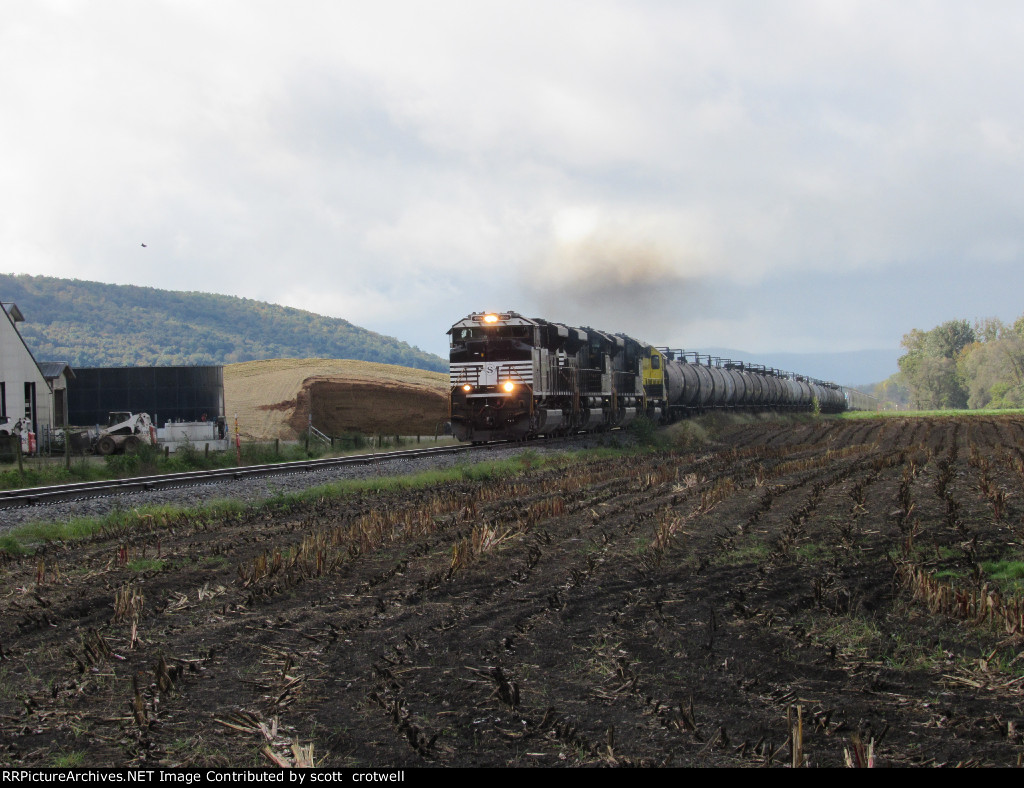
point(753, 552)
point(43, 474)
point(1004, 570)
point(645, 432)
point(858, 637)
point(11, 546)
point(152, 461)
point(23, 540)
point(1008, 574)
point(813, 553)
point(68, 760)
point(909, 414)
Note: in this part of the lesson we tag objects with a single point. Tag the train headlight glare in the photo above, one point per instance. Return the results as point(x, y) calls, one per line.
point(509, 386)
point(491, 319)
point(467, 388)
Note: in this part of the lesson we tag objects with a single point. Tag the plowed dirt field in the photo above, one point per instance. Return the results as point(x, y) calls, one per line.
point(788, 592)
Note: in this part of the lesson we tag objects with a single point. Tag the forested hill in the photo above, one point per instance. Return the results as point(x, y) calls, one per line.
point(89, 324)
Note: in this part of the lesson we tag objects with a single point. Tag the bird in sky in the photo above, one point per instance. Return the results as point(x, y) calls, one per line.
point(143, 245)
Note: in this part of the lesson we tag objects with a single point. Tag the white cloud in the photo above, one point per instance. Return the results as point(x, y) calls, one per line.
point(428, 157)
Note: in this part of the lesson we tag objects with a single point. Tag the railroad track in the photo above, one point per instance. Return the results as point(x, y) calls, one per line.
point(36, 496)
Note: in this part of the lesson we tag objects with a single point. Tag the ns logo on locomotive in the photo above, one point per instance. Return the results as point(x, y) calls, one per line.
point(514, 377)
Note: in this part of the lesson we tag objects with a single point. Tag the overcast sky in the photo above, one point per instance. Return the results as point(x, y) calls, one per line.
point(779, 176)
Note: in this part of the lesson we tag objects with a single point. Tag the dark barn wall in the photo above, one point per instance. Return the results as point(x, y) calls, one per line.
point(165, 393)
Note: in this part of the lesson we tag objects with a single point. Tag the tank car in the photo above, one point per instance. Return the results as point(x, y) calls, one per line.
point(693, 383)
point(514, 377)
point(858, 400)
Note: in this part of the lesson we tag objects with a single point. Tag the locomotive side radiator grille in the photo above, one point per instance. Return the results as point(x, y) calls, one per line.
point(557, 378)
point(591, 381)
point(625, 383)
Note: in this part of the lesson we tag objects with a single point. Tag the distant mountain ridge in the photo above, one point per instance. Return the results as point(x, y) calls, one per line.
point(90, 324)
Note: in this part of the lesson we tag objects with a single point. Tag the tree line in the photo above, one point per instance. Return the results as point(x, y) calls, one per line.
point(960, 365)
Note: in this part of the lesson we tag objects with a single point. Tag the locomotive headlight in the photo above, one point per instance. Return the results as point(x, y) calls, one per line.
point(467, 388)
point(509, 386)
point(491, 319)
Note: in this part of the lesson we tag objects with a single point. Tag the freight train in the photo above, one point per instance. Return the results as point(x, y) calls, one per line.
point(514, 377)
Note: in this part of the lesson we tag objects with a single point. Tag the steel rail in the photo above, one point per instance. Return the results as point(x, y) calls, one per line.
point(33, 496)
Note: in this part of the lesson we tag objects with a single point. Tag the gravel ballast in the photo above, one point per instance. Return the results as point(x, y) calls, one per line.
point(252, 490)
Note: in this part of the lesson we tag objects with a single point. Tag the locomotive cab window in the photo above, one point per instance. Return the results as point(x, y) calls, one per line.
point(493, 332)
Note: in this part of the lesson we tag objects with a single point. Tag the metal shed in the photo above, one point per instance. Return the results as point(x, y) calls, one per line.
point(165, 393)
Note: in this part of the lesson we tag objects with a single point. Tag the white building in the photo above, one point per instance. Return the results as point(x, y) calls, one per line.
point(28, 390)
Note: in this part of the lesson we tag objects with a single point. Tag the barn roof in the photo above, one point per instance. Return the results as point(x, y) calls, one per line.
point(52, 369)
point(11, 309)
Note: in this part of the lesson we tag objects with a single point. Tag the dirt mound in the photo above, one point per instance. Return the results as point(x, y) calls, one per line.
point(344, 406)
point(272, 398)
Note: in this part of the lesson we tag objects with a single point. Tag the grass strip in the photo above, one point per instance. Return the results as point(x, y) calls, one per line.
point(151, 460)
point(912, 414)
point(26, 539)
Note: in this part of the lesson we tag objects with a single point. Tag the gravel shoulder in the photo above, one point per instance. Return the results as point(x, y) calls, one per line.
point(263, 488)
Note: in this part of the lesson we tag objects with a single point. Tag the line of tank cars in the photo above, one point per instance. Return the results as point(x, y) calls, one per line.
point(514, 377)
